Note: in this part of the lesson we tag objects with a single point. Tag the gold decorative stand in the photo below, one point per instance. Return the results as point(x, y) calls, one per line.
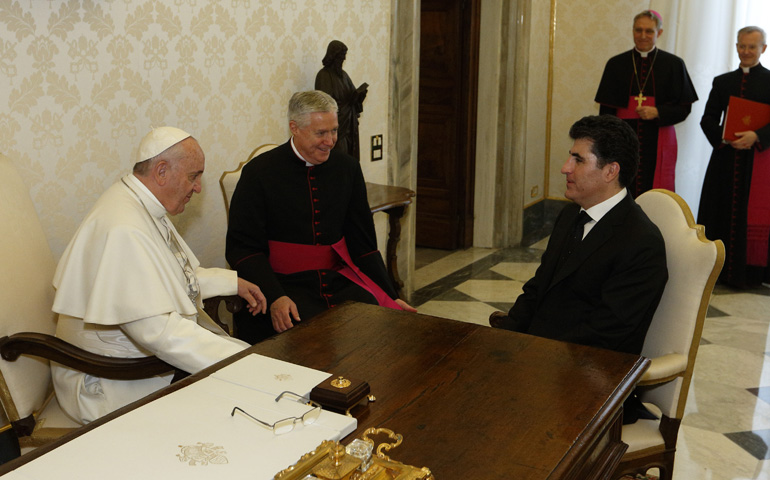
point(330, 461)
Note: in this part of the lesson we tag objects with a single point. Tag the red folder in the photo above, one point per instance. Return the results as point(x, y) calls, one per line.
point(743, 115)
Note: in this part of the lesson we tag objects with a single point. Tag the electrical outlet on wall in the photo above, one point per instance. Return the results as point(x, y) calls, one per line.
point(376, 147)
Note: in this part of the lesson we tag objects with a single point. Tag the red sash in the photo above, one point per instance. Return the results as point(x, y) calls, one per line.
point(758, 214)
point(665, 164)
point(286, 258)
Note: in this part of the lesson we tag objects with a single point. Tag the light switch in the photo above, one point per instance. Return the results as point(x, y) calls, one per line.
point(376, 147)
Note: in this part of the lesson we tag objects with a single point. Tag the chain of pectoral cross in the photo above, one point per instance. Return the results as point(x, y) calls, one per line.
point(640, 97)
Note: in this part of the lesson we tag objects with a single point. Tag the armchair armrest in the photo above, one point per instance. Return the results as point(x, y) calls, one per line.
point(57, 350)
point(664, 369)
point(233, 303)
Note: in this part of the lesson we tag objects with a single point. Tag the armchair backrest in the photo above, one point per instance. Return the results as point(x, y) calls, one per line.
point(229, 180)
point(26, 293)
point(694, 263)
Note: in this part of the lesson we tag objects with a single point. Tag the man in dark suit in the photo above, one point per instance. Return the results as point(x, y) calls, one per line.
point(605, 291)
point(600, 279)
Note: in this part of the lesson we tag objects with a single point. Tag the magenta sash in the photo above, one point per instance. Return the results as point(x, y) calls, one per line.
point(286, 258)
point(665, 164)
point(758, 214)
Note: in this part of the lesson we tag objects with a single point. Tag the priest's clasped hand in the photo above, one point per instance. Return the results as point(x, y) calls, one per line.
point(745, 140)
point(647, 112)
point(255, 300)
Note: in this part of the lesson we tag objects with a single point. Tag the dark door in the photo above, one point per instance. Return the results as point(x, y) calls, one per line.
point(449, 32)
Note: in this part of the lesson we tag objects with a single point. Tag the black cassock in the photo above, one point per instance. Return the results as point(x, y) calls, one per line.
point(670, 85)
point(279, 198)
point(724, 201)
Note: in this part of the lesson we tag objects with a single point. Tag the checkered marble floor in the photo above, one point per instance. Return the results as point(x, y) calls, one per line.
point(725, 433)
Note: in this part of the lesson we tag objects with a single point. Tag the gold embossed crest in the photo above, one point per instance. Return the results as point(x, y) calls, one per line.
point(202, 453)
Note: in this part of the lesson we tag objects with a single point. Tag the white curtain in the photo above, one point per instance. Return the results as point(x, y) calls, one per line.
point(703, 32)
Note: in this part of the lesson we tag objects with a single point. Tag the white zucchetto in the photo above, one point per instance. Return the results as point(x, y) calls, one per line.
point(158, 140)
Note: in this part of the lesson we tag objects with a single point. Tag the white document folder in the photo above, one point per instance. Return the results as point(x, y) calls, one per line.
point(191, 434)
point(271, 376)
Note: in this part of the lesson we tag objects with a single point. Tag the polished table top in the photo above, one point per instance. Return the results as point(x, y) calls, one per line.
point(467, 398)
point(470, 401)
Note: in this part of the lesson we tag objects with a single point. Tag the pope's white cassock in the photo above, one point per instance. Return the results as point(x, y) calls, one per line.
point(123, 288)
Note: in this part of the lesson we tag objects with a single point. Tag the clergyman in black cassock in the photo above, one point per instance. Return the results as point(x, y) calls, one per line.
point(652, 91)
point(300, 222)
point(735, 199)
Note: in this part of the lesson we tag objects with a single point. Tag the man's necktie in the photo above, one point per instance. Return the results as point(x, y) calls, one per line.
point(576, 237)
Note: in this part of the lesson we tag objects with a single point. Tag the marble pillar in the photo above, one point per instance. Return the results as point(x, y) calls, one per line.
point(404, 84)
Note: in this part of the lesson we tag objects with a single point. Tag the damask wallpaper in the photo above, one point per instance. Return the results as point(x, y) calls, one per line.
point(84, 80)
point(588, 33)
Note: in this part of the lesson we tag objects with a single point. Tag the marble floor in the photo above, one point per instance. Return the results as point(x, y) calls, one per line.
point(725, 433)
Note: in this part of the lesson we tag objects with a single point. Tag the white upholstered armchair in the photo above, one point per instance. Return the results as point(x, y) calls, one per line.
point(26, 296)
point(229, 179)
point(672, 341)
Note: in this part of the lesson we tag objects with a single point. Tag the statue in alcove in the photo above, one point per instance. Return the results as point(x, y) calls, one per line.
point(333, 80)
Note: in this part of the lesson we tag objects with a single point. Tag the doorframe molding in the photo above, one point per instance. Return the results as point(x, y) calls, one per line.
point(471, 122)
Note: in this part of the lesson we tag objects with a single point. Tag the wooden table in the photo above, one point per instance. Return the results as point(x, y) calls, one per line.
point(472, 402)
point(393, 201)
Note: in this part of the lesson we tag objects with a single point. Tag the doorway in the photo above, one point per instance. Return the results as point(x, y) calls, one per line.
point(448, 88)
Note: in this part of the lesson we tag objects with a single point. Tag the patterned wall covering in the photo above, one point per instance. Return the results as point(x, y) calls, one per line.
point(85, 79)
point(588, 33)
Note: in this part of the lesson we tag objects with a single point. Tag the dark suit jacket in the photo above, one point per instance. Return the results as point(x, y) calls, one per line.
point(606, 292)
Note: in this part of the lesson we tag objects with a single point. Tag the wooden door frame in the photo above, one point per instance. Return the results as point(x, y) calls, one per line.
point(471, 81)
point(448, 184)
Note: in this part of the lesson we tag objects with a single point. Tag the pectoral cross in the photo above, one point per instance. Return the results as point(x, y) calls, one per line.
point(639, 99)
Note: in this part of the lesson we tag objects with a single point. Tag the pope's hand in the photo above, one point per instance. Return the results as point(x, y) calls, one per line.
point(281, 312)
point(255, 300)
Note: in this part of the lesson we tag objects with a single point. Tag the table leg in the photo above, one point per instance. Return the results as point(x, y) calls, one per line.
point(394, 235)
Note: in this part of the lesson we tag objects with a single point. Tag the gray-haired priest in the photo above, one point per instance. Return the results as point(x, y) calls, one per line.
point(129, 286)
point(301, 227)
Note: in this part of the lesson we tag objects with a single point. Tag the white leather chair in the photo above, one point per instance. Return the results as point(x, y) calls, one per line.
point(26, 296)
point(672, 341)
point(229, 179)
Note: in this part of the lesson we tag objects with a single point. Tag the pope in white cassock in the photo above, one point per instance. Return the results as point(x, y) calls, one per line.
point(128, 285)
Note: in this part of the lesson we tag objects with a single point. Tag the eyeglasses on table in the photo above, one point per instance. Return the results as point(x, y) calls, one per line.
point(286, 425)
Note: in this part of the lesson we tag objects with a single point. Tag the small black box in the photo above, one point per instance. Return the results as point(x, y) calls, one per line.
point(340, 393)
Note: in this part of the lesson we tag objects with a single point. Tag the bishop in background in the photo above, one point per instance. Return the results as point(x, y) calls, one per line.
point(651, 90)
